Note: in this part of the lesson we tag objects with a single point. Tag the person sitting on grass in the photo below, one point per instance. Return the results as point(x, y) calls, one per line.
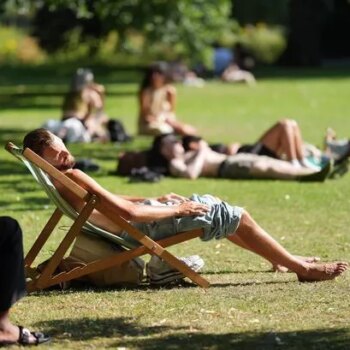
point(12, 286)
point(168, 154)
point(84, 102)
point(157, 105)
point(234, 74)
point(170, 214)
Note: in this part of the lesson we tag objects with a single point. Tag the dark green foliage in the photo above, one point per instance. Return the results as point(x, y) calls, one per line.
point(194, 24)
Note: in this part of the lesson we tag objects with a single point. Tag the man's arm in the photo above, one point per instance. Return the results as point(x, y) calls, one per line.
point(127, 209)
point(170, 197)
point(190, 168)
point(145, 107)
point(171, 97)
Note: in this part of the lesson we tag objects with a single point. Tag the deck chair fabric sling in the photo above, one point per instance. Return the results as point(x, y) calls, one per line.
point(42, 171)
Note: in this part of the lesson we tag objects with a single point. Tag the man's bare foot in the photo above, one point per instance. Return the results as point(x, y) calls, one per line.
point(322, 272)
point(308, 259)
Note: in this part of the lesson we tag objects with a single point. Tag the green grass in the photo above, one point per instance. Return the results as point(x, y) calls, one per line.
point(247, 306)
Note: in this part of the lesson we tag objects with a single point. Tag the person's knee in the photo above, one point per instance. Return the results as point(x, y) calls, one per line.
point(10, 226)
point(289, 123)
point(293, 123)
point(245, 220)
point(285, 123)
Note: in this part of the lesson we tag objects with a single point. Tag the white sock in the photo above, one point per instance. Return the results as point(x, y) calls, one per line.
point(307, 164)
point(296, 163)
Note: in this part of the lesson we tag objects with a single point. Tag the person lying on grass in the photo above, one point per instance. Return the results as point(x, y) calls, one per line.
point(167, 215)
point(284, 141)
point(169, 155)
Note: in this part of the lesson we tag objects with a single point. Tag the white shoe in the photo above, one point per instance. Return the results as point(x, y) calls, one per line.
point(160, 272)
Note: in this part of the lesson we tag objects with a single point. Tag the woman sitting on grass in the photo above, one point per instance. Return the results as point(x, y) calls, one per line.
point(84, 102)
point(157, 105)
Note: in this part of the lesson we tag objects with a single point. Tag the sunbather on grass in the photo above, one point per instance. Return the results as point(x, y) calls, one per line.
point(168, 153)
point(170, 214)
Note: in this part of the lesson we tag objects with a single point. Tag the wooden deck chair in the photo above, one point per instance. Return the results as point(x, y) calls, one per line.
point(42, 172)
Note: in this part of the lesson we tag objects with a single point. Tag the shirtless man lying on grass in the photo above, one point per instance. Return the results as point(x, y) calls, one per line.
point(160, 219)
point(169, 154)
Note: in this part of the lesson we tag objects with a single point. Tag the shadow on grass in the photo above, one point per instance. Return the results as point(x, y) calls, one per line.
point(61, 72)
point(294, 73)
point(228, 272)
point(11, 134)
point(248, 283)
point(79, 287)
point(11, 168)
point(314, 339)
point(89, 328)
point(25, 204)
point(43, 99)
point(132, 334)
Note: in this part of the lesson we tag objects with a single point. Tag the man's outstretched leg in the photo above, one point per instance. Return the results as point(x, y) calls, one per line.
point(275, 265)
point(251, 236)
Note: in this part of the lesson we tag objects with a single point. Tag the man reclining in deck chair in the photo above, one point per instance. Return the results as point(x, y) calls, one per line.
point(170, 214)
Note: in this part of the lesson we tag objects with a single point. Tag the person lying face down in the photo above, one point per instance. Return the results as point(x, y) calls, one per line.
point(169, 214)
point(200, 160)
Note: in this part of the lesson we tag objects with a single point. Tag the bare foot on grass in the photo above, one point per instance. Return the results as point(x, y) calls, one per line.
point(322, 272)
point(308, 259)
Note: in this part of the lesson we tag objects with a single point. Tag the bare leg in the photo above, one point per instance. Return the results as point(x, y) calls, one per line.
point(258, 241)
point(8, 331)
point(281, 140)
point(182, 128)
point(298, 140)
point(275, 266)
point(266, 167)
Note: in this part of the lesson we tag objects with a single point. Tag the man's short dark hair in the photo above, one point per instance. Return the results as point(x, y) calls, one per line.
point(188, 139)
point(37, 140)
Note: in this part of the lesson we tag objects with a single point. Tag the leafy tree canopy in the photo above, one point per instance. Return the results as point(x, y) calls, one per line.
point(195, 24)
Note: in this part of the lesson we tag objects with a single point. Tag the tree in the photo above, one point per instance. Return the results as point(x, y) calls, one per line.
point(195, 24)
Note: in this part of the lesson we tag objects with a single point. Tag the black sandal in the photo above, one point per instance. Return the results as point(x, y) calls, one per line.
point(24, 337)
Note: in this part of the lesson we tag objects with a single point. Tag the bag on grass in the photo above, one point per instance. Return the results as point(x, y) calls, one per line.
point(131, 160)
point(117, 131)
point(88, 248)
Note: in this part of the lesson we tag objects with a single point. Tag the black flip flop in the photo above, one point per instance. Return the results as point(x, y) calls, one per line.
point(24, 338)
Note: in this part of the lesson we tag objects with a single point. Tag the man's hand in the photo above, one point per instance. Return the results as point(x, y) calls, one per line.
point(191, 208)
point(203, 144)
point(172, 197)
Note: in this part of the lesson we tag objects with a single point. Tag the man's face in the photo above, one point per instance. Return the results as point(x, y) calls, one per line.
point(58, 155)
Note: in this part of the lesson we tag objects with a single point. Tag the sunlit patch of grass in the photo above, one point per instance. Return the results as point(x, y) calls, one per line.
point(248, 306)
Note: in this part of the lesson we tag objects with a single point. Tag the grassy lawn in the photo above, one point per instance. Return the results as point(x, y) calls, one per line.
point(247, 307)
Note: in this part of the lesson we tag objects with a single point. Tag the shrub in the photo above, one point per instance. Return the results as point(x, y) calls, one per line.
point(18, 47)
point(266, 43)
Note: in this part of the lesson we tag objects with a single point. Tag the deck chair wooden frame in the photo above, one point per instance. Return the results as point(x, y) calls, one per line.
point(42, 169)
